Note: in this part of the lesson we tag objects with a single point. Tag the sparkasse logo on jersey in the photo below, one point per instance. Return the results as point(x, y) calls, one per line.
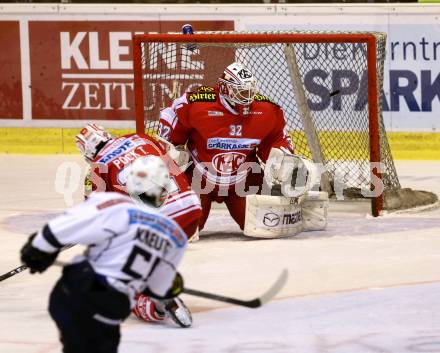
point(231, 144)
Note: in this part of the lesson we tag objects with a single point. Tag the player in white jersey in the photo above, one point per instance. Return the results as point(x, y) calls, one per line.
point(109, 157)
point(131, 248)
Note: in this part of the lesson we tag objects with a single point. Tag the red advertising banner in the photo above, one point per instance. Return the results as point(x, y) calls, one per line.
point(84, 69)
point(10, 71)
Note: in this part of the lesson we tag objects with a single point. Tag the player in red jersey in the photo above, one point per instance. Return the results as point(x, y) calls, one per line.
point(228, 130)
point(108, 158)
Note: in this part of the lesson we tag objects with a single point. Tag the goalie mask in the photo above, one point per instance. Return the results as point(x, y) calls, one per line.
point(238, 86)
point(148, 180)
point(91, 140)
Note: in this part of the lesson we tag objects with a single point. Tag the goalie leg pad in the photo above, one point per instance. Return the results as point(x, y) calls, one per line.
point(278, 216)
point(314, 210)
point(272, 216)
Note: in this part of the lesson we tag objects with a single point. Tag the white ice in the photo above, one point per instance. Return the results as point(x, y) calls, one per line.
point(363, 285)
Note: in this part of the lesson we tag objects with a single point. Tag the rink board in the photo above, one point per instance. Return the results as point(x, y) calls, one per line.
point(404, 145)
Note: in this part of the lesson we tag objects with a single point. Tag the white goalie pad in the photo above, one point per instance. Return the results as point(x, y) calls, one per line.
point(272, 216)
point(278, 216)
point(314, 210)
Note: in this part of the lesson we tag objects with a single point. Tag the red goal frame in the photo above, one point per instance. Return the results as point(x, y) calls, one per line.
point(368, 39)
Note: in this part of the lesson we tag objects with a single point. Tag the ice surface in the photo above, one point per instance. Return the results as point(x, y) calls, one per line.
point(363, 285)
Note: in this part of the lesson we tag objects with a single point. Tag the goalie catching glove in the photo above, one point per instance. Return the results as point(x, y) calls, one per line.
point(293, 174)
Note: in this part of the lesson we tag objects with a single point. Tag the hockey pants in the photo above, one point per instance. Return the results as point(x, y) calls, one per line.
point(80, 303)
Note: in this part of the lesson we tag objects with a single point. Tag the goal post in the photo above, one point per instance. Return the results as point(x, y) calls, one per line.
point(329, 85)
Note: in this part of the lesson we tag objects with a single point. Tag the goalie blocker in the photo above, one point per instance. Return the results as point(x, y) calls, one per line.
point(279, 216)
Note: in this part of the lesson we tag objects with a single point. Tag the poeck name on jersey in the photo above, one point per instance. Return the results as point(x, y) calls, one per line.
point(231, 144)
point(129, 157)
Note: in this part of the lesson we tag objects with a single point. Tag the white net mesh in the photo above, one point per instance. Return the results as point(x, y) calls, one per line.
point(333, 80)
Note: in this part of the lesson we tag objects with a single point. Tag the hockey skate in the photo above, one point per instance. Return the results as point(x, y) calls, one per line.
point(178, 312)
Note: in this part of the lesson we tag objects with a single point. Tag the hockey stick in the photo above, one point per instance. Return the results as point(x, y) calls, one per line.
point(13, 272)
point(24, 267)
point(253, 303)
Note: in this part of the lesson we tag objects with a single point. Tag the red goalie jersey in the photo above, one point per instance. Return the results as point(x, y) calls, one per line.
point(225, 145)
point(222, 142)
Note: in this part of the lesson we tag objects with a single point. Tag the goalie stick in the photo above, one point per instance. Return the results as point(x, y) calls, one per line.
point(253, 303)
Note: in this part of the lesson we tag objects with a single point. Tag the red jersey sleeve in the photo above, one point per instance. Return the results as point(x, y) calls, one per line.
point(276, 138)
point(174, 125)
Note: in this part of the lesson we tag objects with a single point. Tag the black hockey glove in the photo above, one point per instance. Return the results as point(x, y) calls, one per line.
point(175, 290)
point(35, 259)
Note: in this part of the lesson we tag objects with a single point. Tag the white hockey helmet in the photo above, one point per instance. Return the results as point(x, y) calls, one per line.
point(91, 140)
point(238, 84)
point(148, 180)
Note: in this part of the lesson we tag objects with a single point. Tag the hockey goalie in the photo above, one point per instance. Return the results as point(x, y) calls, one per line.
point(240, 156)
point(109, 158)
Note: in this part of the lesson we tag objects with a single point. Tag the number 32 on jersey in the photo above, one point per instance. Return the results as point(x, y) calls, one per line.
point(235, 130)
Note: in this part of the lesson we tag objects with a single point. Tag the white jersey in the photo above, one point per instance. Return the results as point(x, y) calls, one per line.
point(133, 246)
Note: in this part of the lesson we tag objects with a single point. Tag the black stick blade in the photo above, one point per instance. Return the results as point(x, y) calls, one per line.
point(254, 303)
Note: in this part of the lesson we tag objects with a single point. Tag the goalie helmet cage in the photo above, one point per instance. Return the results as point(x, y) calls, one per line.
point(329, 85)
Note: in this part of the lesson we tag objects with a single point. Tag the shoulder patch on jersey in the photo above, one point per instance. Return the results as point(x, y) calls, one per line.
point(261, 98)
point(202, 97)
point(205, 89)
point(112, 202)
point(121, 147)
point(159, 223)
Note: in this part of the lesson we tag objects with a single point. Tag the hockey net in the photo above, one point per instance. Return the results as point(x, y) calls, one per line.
point(328, 84)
